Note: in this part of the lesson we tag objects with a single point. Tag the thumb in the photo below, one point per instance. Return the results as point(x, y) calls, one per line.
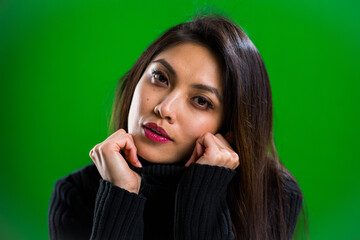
point(197, 152)
point(192, 158)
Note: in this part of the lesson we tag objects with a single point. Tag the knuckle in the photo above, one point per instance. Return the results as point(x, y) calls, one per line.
point(236, 161)
point(121, 130)
point(225, 152)
point(128, 139)
point(235, 156)
point(104, 147)
point(95, 150)
point(128, 136)
point(101, 148)
point(207, 135)
point(217, 135)
point(91, 153)
point(228, 155)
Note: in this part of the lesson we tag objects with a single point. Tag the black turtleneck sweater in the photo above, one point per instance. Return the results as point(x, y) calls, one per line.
point(174, 202)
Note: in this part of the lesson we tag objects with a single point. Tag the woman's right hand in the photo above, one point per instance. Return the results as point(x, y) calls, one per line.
point(111, 164)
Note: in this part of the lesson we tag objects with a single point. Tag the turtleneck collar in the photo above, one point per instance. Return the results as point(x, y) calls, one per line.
point(157, 173)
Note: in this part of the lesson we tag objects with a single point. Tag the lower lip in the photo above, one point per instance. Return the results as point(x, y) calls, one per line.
point(154, 137)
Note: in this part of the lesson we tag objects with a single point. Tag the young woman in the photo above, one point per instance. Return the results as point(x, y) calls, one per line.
point(192, 155)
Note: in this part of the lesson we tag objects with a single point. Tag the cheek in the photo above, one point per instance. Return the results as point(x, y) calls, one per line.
point(142, 103)
point(203, 124)
point(136, 109)
point(147, 99)
point(193, 129)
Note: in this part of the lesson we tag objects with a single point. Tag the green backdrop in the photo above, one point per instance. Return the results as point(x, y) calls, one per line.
point(60, 61)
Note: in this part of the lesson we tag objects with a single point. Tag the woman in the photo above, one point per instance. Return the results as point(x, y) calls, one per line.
point(192, 155)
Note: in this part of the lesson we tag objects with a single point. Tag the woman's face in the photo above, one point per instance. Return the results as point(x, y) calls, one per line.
point(177, 99)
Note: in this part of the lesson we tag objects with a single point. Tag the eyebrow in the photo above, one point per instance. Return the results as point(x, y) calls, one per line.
point(197, 86)
point(209, 89)
point(167, 65)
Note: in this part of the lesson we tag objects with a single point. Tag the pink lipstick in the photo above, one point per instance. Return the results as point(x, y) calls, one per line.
point(156, 133)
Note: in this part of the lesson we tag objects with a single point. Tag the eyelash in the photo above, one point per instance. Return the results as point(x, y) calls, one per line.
point(208, 103)
point(160, 74)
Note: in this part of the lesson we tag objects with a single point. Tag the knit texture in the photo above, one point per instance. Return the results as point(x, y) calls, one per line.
point(117, 213)
point(174, 202)
point(201, 207)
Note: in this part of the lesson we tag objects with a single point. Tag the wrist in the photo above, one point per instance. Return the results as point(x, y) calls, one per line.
point(128, 187)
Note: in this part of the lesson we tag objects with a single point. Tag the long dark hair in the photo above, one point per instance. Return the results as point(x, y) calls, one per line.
point(255, 195)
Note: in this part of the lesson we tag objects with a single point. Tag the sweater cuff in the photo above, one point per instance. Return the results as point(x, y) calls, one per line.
point(118, 212)
point(202, 180)
point(201, 206)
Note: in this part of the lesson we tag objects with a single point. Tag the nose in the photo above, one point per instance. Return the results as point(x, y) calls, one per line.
point(167, 108)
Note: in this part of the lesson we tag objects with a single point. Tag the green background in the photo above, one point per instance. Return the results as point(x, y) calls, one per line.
point(60, 61)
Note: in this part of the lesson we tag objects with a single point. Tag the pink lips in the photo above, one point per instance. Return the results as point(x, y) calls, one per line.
point(156, 133)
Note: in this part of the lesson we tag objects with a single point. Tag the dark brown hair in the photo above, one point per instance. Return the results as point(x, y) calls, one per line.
point(256, 194)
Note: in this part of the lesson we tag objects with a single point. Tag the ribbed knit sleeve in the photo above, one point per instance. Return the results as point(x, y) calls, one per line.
point(83, 206)
point(63, 218)
point(201, 210)
point(118, 213)
point(72, 205)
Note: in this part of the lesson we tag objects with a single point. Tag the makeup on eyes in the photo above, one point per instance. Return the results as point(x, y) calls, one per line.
point(205, 100)
point(160, 78)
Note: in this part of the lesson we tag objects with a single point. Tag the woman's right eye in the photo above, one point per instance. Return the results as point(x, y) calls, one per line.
point(159, 77)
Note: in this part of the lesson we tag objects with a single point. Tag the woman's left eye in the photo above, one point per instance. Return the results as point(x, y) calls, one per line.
point(202, 103)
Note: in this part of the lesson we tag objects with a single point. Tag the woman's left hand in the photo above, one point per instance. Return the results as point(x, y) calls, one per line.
point(214, 150)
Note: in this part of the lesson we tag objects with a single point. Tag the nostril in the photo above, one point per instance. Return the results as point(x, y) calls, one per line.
point(157, 110)
point(165, 111)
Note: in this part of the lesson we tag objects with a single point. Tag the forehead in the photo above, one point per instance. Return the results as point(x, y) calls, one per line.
point(193, 62)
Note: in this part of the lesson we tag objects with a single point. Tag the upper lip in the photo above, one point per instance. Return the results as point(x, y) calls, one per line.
point(157, 128)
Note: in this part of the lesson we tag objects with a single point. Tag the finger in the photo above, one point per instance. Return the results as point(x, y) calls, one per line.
point(200, 149)
point(193, 157)
point(117, 133)
point(201, 146)
point(208, 143)
point(222, 141)
point(130, 151)
point(92, 152)
point(203, 160)
point(125, 143)
point(197, 152)
point(234, 155)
